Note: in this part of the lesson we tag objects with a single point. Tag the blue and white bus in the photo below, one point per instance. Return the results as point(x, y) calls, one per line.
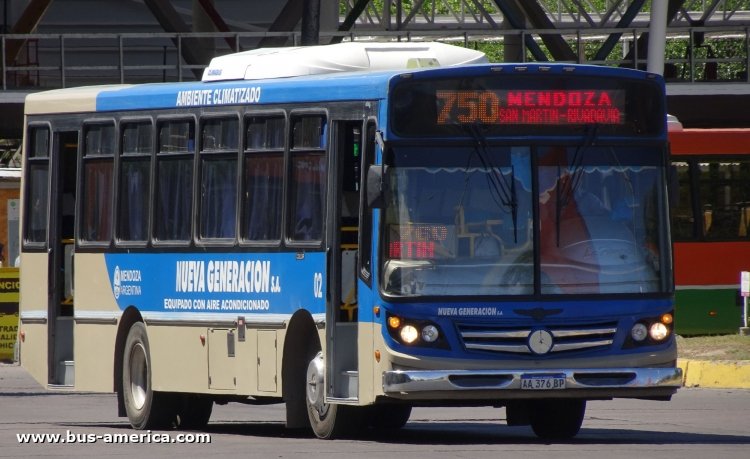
point(316, 227)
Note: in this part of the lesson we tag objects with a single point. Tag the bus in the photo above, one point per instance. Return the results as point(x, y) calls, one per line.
point(710, 219)
point(352, 230)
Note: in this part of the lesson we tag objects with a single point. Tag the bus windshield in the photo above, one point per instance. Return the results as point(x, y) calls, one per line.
point(459, 220)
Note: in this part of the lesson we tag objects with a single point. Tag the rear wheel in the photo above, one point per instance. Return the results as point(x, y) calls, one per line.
point(327, 420)
point(145, 408)
point(557, 419)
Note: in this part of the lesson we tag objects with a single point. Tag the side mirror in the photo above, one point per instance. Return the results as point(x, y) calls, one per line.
point(376, 186)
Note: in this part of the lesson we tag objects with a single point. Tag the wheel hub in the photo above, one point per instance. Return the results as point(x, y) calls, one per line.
point(138, 376)
point(315, 386)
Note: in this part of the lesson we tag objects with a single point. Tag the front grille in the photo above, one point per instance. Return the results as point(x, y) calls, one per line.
point(566, 337)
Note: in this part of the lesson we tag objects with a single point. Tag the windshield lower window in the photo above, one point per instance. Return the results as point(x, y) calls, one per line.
point(459, 221)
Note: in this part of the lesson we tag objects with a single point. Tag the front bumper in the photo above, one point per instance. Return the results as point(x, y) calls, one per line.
point(506, 384)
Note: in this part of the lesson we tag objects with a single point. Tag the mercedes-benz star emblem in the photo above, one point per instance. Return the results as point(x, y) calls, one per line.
point(540, 341)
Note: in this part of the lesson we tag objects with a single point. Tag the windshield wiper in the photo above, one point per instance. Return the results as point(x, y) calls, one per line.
point(567, 189)
point(502, 192)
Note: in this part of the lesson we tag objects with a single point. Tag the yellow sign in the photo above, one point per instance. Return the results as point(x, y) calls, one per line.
point(8, 311)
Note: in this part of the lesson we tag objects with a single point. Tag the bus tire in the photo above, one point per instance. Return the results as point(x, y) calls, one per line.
point(328, 421)
point(388, 417)
point(193, 411)
point(557, 419)
point(145, 408)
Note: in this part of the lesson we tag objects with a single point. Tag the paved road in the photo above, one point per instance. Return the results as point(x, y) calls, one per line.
point(697, 423)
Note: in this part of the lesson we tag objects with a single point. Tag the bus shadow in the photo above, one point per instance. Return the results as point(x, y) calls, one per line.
point(468, 433)
point(456, 433)
point(244, 428)
point(48, 394)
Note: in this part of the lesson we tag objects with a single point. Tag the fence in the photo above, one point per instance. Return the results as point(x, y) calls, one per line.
point(46, 61)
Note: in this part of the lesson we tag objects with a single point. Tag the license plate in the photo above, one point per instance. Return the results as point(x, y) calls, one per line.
point(543, 382)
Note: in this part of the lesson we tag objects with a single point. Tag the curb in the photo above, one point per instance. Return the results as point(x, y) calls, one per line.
point(715, 374)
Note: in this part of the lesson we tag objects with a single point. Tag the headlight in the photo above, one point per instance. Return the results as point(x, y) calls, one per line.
point(409, 334)
point(430, 333)
point(658, 331)
point(639, 332)
point(417, 333)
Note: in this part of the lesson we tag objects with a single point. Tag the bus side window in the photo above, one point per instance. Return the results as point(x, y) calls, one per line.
point(352, 158)
point(723, 196)
point(97, 189)
point(174, 175)
point(366, 229)
point(218, 172)
point(36, 212)
point(263, 178)
point(307, 192)
point(135, 178)
point(681, 202)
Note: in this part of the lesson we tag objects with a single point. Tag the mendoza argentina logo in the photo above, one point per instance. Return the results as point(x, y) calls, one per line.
point(126, 282)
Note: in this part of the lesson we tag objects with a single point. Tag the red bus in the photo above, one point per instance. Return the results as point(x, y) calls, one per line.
point(710, 227)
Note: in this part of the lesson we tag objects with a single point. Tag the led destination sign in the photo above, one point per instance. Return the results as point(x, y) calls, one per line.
point(530, 107)
point(526, 105)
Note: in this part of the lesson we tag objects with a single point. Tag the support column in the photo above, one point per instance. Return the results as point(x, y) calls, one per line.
point(512, 45)
point(310, 23)
point(657, 36)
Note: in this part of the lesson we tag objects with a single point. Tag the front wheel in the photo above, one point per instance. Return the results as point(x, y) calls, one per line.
point(327, 420)
point(145, 408)
point(557, 419)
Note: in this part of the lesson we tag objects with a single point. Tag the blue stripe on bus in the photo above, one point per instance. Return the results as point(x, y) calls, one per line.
point(327, 87)
point(237, 283)
point(244, 92)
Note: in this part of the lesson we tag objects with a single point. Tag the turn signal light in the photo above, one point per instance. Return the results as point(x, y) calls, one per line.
point(667, 319)
point(394, 322)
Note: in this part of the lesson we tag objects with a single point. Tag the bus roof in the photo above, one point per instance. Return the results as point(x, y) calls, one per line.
point(349, 86)
point(361, 85)
point(70, 100)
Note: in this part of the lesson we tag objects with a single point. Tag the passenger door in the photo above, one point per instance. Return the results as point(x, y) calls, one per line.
point(349, 246)
point(61, 248)
point(343, 229)
point(48, 224)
